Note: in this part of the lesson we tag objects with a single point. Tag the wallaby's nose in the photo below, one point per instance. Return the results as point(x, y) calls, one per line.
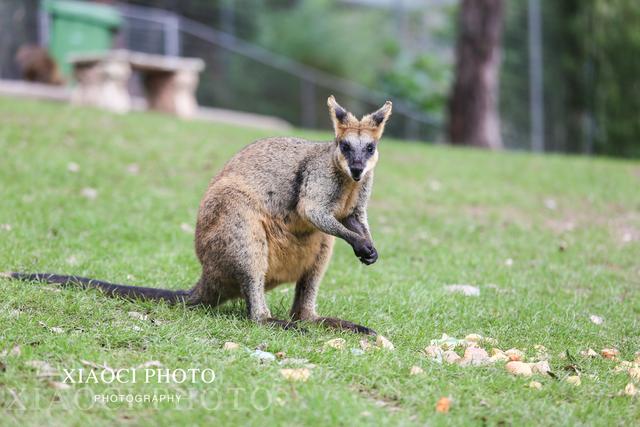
point(356, 172)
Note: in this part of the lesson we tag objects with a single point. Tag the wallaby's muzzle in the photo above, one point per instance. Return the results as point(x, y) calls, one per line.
point(356, 172)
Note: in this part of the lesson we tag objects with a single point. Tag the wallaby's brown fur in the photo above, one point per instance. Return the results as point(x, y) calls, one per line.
point(271, 216)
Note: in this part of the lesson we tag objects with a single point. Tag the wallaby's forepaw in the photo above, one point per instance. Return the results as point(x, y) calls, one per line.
point(366, 252)
point(345, 325)
point(284, 324)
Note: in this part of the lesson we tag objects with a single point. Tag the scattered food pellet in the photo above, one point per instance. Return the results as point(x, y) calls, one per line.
point(630, 390)
point(365, 344)
point(519, 368)
point(230, 346)
point(451, 356)
point(295, 374)
point(475, 356)
point(514, 354)
point(573, 380)
point(416, 370)
point(541, 367)
point(536, 385)
point(498, 355)
point(384, 343)
point(443, 405)
point(433, 351)
point(634, 373)
point(609, 353)
point(473, 338)
point(281, 355)
point(589, 353)
point(337, 343)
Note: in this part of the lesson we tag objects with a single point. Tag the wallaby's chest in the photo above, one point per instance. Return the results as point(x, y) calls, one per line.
point(346, 202)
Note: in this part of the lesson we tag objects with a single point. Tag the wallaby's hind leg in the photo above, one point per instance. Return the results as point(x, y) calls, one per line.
point(304, 303)
point(254, 295)
point(234, 254)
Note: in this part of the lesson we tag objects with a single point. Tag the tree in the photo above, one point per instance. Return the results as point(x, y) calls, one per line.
point(473, 112)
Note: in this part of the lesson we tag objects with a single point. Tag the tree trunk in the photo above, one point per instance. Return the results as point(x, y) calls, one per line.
point(473, 109)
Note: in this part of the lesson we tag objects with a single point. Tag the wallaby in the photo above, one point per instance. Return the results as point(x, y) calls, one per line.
point(271, 216)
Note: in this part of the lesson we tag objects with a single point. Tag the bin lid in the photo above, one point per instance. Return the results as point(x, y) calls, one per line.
point(84, 11)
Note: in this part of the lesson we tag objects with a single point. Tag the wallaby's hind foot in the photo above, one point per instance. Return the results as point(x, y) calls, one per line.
point(284, 324)
point(344, 325)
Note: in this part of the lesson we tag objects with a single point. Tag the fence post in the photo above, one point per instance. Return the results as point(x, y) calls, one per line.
point(172, 35)
point(536, 84)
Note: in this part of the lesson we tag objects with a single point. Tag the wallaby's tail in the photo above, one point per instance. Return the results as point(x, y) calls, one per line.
point(111, 289)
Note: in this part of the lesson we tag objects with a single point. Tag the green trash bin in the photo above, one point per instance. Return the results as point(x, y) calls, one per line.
point(79, 27)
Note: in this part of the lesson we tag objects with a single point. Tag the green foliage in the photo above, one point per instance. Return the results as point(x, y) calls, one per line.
point(359, 44)
point(591, 66)
point(423, 81)
point(613, 47)
point(343, 41)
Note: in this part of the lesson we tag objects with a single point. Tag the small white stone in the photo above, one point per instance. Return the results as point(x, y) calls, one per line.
point(133, 169)
point(89, 193)
point(596, 319)
point(467, 290)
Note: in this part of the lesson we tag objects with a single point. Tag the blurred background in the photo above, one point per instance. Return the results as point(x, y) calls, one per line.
point(539, 75)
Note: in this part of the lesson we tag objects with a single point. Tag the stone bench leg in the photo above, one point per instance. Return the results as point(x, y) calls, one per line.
point(103, 84)
point(172, 92)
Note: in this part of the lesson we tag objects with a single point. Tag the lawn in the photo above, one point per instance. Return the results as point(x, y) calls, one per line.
point(548, 240)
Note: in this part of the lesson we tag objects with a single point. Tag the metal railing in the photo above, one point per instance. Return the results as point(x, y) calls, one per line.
point(157, 31)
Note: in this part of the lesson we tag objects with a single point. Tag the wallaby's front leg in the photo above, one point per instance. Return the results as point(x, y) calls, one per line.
point(357, 225)
point(327, 223)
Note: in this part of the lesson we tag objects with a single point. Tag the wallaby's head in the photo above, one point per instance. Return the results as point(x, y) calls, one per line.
point(356, 150)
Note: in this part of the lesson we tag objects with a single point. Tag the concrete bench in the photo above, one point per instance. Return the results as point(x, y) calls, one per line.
point(169, 82)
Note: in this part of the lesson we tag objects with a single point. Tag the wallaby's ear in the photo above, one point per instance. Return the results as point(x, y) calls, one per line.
point(378, 119)
point(340, 117)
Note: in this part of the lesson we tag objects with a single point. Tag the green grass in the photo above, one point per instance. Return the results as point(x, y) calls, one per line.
point(490, 207)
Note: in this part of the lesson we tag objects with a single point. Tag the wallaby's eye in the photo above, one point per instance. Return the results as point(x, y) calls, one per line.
point(344, 146)
point(371, 148)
